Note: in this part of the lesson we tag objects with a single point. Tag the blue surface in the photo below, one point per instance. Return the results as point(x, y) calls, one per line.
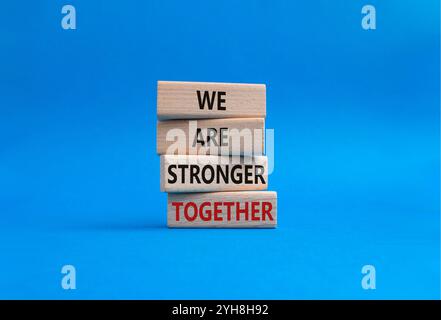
point(356, 119)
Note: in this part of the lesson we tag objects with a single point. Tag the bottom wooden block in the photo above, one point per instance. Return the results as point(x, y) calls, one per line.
point(242, 209)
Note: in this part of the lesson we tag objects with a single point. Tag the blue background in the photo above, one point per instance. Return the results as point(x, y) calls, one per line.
point(356, 120)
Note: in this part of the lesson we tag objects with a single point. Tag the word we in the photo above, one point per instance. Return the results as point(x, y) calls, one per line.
point(210, 101)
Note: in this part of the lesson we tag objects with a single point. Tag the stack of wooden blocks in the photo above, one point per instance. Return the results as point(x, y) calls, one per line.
point(210, 137)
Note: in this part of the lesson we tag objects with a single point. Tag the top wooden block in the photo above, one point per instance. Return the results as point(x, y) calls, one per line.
point(198, 100)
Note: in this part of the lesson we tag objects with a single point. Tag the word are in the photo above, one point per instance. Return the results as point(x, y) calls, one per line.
point(210, 135)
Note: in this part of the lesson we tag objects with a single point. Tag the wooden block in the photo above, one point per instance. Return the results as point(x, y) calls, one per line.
point(196, 100)
point(245, 209)
point(195, 173)
point(233, 136)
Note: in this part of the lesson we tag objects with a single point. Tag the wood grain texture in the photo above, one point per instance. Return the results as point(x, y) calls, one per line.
point(257, 209)
point(179, 100)
point(195, 173)
point(233, 136)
